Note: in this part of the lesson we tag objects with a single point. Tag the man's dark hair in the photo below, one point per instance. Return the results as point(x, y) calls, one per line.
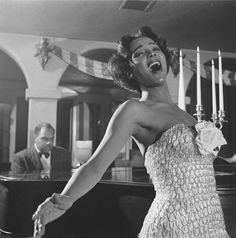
point(41, 125)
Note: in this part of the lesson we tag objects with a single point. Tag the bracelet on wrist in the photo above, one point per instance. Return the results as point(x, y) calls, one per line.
point(53, 199)
point(59, 202)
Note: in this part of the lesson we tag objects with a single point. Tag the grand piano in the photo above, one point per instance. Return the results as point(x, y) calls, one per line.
point(115, 207)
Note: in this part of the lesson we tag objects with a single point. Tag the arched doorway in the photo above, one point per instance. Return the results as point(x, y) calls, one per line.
point(91, 109)
point(13, 109)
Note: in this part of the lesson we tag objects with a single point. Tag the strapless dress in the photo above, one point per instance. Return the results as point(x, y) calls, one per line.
point(186, 204)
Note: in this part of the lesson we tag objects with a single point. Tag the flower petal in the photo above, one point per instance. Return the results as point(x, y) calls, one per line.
point(209, 138)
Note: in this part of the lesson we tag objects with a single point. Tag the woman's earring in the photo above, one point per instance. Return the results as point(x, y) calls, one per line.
point(130, 76)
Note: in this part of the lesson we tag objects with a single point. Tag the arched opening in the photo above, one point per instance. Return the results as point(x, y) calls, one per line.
point(13, 109)
point(90, 110)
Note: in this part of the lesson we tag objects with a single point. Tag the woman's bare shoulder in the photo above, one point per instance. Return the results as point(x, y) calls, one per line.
point(131, 106)
point(126, 112)
point(131, 111)
point(144, 113)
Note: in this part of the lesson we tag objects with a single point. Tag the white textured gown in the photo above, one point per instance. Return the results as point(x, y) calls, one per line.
point(186, 204)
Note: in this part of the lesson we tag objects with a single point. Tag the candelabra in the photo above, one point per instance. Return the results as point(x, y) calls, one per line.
point(214, 118)
point(217, 120)
point(199, 114)
point(220, 119)
point(221, 116)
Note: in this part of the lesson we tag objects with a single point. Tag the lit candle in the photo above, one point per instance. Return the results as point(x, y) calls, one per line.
point(221, 96)
point(198, 78)
point(213, 88)
point(181, 96)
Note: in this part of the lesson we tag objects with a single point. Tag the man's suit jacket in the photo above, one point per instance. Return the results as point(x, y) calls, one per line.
point(28, 160)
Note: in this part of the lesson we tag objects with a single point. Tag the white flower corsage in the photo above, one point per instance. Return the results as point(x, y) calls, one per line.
point(209, 138)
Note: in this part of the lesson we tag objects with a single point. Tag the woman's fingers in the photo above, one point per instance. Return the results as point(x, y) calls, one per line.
point(41, 209)
point(39, 222)
point(36, 214)
point(37, 228)
point(49, 210)
point(42, 225)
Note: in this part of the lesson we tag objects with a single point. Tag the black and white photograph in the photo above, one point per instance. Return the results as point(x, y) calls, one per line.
point(117, 119)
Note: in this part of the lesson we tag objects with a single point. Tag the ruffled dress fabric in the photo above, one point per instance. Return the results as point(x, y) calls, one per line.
point(186, 204)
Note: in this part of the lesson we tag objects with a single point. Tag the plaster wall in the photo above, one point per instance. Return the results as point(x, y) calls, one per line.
point(43, 91)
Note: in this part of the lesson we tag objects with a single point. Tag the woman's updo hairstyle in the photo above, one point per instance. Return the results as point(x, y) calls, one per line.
point(119, 63)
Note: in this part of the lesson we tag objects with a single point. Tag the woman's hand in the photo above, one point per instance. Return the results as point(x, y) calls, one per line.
point(51, 209)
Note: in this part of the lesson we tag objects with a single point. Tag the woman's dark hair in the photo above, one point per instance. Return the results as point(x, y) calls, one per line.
point(119, 65)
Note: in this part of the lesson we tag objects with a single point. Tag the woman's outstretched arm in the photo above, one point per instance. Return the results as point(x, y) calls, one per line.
point(121, 126)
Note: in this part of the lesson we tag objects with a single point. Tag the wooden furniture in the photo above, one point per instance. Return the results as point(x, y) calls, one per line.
point(115, 207)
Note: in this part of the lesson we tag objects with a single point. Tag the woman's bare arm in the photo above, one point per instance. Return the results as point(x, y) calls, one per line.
point(121, 126)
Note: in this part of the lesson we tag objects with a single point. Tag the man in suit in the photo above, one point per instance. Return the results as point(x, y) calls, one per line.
point(43, 155)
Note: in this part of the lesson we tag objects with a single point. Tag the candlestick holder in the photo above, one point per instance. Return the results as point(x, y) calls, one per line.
point(199, 114)
point(221, 120)
point(215, 119)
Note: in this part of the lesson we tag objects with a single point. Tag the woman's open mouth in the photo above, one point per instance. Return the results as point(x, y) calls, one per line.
point(155, 66)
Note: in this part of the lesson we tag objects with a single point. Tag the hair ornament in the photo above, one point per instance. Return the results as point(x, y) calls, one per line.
point(121, 50)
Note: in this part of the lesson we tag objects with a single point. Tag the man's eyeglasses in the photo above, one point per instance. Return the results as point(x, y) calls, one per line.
point(47, 139)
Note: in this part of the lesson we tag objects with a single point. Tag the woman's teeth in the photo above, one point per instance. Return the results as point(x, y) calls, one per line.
point(155, 66)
